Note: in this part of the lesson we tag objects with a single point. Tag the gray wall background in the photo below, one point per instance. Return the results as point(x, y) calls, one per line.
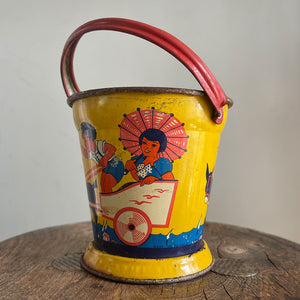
point(253, 49)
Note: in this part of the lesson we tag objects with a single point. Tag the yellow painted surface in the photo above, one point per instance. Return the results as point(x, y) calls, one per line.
point(143, 269)
point(106, 112)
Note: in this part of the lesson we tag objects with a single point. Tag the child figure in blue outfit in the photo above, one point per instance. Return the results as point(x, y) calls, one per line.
point(103, 154)
point(147, 167)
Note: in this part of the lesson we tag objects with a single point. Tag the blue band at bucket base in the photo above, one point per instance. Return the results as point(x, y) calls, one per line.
point(154, 240)
point(138, 252)
point(156, 246)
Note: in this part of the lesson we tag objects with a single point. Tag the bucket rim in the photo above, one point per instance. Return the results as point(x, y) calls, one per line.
point(133, 89)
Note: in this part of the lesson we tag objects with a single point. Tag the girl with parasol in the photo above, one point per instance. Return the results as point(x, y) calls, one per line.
point(157, 139)
point(148, 167)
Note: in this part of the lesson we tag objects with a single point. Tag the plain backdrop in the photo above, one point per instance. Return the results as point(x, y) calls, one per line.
point(253, 49)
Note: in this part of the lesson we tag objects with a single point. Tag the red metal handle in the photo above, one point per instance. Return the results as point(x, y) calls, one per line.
point(154, 35)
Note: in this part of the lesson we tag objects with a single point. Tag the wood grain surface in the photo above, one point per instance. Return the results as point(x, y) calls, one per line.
point(45, 264)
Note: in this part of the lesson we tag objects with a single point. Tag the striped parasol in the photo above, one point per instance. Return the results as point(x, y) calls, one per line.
point(135, 123)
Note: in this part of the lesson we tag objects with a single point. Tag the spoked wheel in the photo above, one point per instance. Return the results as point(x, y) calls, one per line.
point(132, 226)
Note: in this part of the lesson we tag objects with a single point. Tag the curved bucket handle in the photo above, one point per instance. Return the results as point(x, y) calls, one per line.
point(156, 36)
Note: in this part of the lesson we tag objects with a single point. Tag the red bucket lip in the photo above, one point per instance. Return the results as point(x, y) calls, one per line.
point(150, 90)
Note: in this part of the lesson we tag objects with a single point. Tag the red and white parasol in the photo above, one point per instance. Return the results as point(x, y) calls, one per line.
point(135, 123)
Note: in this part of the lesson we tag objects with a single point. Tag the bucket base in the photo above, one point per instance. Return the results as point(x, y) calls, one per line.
point(147, 271)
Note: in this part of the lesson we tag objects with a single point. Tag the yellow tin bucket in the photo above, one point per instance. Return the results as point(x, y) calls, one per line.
point(149, 155)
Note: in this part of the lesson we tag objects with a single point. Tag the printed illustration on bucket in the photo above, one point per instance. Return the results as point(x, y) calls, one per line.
point(149, 156)
point(155, 139)
point(209, 179)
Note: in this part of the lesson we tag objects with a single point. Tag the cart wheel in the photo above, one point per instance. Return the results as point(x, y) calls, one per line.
point(132, 226)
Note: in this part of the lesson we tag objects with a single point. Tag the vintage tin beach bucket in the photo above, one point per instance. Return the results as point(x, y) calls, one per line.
point(149, 156)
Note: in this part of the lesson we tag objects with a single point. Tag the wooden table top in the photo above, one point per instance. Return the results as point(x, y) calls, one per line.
point(45, 264)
